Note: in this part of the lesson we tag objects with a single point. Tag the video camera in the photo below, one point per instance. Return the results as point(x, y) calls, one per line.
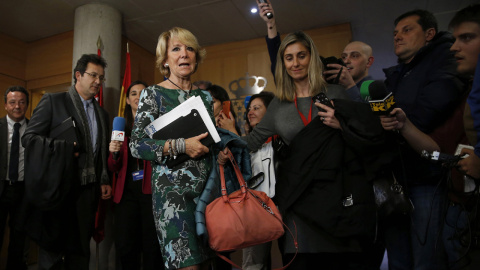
point(332, 60)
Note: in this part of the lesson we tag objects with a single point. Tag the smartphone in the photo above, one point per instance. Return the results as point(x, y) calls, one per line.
point(269, 14)
point(226, 108)
point(322, 98)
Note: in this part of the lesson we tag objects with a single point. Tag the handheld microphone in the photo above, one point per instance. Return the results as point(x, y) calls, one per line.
point(269, 14)
point(381, 102)
point(364, 91)
point(118, 131)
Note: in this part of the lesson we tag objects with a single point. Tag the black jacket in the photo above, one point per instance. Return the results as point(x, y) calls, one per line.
point(428, 90)
point(325, 166)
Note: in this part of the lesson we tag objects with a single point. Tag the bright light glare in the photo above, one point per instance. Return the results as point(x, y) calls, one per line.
point(253, 10)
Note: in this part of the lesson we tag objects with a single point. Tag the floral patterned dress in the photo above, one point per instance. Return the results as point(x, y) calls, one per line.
point(174, 191)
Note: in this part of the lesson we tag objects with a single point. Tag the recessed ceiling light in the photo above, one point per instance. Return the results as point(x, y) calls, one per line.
point(253, 10)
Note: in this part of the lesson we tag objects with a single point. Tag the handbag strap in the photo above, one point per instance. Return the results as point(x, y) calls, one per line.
point(238, 173)
point(244, 189)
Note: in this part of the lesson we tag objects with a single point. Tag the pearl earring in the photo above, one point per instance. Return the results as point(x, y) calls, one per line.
point(166, 65)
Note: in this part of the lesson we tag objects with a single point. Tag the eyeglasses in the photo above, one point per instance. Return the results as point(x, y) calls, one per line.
point(96, 76)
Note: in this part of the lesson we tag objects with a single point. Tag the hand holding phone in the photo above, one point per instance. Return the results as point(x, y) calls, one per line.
point(269, 14)
point(226, 108)
point(323, 99)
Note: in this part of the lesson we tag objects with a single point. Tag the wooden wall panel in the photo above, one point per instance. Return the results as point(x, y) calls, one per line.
point(12, 65)
point(12, 57)
point(50, 56)
point(259, 65)
point(205, 70)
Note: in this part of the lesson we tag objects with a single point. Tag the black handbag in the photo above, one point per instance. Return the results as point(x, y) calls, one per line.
point(390, 197)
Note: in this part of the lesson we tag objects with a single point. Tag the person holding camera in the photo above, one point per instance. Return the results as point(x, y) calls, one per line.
point(352, 69)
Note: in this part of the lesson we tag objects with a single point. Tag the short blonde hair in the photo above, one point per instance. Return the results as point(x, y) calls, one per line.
point(184, 36)
point(285, 84)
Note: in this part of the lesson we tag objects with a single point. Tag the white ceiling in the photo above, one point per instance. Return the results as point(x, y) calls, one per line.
point(214, 21)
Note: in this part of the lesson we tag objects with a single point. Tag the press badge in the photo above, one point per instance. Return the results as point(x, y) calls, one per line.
point(137, 175)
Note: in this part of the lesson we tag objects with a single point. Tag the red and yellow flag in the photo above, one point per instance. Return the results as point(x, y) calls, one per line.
point(127, 80)
point(99, 96)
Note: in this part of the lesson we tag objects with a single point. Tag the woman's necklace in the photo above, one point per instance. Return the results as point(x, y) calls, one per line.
point(187, 92)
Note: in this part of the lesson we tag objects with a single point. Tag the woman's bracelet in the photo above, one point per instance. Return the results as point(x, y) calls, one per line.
point(169, 141)
point(181, 146)
point(174, 148)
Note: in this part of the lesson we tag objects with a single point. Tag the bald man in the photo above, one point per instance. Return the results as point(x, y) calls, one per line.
point(358, 58)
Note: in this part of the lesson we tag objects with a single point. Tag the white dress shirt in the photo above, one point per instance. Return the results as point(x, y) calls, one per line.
point(23, 127)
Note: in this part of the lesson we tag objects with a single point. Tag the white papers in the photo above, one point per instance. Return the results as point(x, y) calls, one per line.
point(182, 110)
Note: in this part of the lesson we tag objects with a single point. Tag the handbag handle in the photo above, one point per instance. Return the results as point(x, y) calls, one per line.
point(238, 173)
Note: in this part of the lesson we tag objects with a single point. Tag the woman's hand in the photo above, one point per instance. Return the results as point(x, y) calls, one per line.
point(222, 156)
point(106, 191)
point(194, 148)
point(328, 116)
point(115, 146)
point(263, 9)
point(226, 123)
point(396, 120)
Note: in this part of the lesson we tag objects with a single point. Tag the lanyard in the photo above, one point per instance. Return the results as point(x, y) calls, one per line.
point(305, 121)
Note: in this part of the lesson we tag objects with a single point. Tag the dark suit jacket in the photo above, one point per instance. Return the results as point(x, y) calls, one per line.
point(3, 151)
point(52, 228)
point(325, 165)
point(50, 112)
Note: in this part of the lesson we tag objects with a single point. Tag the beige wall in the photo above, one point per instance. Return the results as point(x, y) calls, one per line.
point(46, 65)
point(13, 58)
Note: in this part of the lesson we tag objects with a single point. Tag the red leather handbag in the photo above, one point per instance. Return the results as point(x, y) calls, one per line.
point(242, 219)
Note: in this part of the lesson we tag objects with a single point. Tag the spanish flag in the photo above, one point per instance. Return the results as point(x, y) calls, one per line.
point(127, 80)
point(99, 95)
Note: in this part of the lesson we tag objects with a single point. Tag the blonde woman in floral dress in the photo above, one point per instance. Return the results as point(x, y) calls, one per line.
point(175, 190)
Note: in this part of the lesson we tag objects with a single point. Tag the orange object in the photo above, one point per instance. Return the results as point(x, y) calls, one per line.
point(243, 218)
point(226, 108)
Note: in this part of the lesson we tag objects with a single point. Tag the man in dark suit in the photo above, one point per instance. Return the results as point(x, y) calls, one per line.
point(63, 230)
point(12, 127)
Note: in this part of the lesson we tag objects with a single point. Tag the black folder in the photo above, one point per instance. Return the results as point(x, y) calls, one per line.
point(66, 131)
point(187, 126)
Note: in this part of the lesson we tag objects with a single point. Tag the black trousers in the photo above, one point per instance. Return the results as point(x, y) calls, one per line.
point(325, 261)
point(135, 233)
point(10, 201)
point(80, 223)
